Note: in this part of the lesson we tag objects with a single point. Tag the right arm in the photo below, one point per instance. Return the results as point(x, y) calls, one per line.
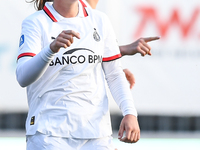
point(29, 69)
point(32, 60)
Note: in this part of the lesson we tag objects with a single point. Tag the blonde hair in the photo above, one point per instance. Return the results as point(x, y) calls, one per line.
point(39, 4)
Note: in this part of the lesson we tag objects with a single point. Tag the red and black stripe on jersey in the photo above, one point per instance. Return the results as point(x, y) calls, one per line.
point(112, 57)
point(46, 10)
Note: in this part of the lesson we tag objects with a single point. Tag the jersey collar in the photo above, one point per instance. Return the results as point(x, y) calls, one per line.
point(56, 17)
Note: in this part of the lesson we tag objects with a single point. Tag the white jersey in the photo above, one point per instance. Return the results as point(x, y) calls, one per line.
point(69, 98)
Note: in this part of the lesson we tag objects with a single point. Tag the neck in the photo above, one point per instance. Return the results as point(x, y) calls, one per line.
point(66, 8)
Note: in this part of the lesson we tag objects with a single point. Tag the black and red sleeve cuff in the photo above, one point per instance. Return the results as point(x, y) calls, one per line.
point(25, 55)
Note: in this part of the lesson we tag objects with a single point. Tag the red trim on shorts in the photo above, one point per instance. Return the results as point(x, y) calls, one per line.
point(46, 10)
point(26, 54)
point(112, 57)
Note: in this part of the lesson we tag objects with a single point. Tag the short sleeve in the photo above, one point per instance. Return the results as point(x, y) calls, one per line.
point(111, 49)
point(30, 40)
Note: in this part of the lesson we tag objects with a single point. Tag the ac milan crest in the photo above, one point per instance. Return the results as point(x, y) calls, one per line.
point(96, 35)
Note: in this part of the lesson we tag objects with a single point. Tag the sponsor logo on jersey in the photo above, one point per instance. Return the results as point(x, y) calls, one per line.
point(21, 41)
point(96, 35)
point(69, 58)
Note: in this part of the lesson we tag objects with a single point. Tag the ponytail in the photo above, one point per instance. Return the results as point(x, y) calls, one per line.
point(39, 4)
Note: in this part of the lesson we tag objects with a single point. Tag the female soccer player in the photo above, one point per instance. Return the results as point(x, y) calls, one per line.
point(66, 52)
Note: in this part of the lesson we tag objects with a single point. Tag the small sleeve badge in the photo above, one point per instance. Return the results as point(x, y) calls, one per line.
point(21, 41)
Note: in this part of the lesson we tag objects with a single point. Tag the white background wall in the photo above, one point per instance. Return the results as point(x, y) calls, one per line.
point(167, 83)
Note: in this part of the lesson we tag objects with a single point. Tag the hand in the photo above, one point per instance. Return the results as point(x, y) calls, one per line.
point(64, 39)
point(130, 125)
point(139, 46)
point(130, 77)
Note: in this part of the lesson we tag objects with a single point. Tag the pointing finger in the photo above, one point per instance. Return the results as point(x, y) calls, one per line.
point(149, 39)
point(73, 33)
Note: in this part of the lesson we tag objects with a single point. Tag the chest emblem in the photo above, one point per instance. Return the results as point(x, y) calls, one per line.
point(96, 35)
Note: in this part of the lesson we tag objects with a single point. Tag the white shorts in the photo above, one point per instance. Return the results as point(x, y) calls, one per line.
point(45, 142)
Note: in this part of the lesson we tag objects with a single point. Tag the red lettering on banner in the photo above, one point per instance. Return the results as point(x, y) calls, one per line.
point(150, 14)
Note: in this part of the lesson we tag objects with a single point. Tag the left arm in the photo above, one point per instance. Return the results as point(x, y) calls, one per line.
point(118, 85)
point(121, 93)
